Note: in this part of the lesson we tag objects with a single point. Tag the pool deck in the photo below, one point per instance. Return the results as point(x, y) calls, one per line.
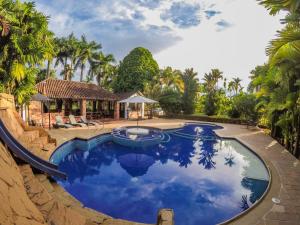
point(284, 168)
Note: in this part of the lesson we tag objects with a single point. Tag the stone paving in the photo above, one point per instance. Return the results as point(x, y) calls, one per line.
point(284, 168)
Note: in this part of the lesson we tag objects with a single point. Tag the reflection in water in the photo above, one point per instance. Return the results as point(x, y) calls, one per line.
point(136, 164)
point(244, 203)
point(256, 186)
point(186, 175)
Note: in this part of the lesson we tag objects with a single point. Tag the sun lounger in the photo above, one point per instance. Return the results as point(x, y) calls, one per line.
point(85, 121)
point(75, 123)
point(60, 123)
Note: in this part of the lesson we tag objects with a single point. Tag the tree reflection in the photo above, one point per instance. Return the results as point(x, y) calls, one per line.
point(244, 203)
point(207, 153)
point(80, 163)
point(257, 187)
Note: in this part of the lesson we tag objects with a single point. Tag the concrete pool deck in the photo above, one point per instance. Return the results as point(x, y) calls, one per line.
point(284, 168)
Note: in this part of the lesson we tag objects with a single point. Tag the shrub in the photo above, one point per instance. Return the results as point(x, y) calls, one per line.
point(210, 106)
point(170, 101)
point(244, 104)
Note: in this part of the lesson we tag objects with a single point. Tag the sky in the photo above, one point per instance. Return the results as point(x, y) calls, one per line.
point(230, 35)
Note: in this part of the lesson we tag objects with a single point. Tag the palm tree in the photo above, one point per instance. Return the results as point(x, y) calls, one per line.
point(217, 75)
point(101, 67)
point(280, 88)
point(235, 85)
point(171, 78)
point(86, 52)
point(191, 86)
point(274, 6)
point(212, 78)
point(67, 55)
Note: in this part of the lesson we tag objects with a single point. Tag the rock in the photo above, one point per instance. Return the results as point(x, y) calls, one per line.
point(15, 207)
point(165, 217)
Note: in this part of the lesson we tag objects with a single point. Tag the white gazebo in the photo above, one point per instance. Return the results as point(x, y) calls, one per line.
point(138, 100)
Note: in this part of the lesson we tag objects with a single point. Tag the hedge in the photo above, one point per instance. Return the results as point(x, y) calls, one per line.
point(207, 119)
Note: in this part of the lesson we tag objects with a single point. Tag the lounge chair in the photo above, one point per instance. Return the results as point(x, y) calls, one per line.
point(85, 121)
point(60, 123)
point(75, 123)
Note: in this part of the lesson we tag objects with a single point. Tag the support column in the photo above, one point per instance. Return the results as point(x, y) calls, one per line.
point(143, 110)
point(94, 105)
point(116, 110)
point(126, 110)
point(83, 108)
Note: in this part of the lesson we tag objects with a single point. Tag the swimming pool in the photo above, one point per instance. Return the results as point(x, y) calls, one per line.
point(203, 178)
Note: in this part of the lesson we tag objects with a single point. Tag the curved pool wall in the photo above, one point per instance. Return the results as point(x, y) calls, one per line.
point(122, 137)
point(205, 180)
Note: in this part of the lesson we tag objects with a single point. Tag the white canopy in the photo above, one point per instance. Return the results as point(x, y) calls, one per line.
point(138, 99)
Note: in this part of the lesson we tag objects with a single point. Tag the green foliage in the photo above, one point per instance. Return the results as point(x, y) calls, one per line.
point(191, 86)
point(42, 75)
point(170, 101)
point(276, 83)
point(136, 69)
point(210, 106)
point(25, 42)
point(243, 106)
point(171, 78)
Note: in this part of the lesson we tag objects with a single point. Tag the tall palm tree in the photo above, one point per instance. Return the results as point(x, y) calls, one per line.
point(86, 52)
point(68, 52)
point(235, 85)
point(101, 67)
point(217, 75)
point(171, 78)
point(191, 86)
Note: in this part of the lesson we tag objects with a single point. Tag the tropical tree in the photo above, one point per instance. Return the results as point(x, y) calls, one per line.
point(87, 51)
point(136, 69)
point(191, 85)
point(171, 101)
point(25, 43)
point(171, 78)
point(235, 85)
point(281, 90)
point(101, 68)
point(210, 84)
point(67, 55)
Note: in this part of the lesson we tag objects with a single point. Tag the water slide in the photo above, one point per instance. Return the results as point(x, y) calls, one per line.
point(21, 152)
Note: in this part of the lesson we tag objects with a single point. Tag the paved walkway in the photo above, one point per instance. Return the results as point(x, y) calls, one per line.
point(285, 169)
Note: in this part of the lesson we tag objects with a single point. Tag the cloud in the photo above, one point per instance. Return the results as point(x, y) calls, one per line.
point(151, 4)
point(222, 25)
point(183, 15)
point(138, 15)
point(118, 25)
point(211, 13)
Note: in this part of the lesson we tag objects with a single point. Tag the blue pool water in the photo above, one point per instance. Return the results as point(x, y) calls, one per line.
point(204, 179)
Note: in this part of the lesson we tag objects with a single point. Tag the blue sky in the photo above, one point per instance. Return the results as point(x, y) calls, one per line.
point(204, 34)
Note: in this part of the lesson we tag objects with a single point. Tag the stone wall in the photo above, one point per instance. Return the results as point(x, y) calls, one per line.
point(35, 115)
point(6, 101)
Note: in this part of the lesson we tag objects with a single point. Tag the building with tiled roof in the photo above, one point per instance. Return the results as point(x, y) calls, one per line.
point(72, 98)
point(63, 89)
point(80, 99)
